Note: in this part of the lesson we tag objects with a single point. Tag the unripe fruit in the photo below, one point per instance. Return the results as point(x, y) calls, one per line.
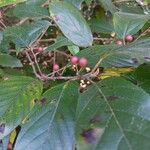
point(119, 42)
point(129, 38)
point(83, 62)
point(74, 60)
point(40, 49)
point(56, 67)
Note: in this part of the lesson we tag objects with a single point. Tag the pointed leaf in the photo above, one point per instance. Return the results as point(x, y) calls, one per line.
point(52, 121)
point(113, 114)
point(127, 23)
point(72, 23)
point(24, 36)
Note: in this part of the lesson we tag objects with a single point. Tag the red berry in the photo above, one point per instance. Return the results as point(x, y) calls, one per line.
point(119, 42)
point(83, 62)
point(40, 49)
point(129, 38)
point(56, 67)
point(74, 60)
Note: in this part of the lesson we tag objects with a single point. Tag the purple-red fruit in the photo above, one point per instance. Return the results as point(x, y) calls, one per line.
point(40, 49)
point(129, 38)
point(119, 42)
point(56, 67)
point(74, 60)
point(83, 62)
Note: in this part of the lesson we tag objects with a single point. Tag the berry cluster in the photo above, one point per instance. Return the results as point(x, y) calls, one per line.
point(128, 38)
point(82, 62)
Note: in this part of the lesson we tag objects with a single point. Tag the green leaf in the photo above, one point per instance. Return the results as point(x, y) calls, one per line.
point(101, 25)
point(31, 8)
point(127, 23)
point(142, 76)
point(9, 61)
point(72, 23)
point(113, 114)
point(76, 3)
point(60, 42)
point(8, 2)
point(17, 95)
point(51, 122)
point(108, 5)
point(26, 35)
point(73, 49)
point(132, 54)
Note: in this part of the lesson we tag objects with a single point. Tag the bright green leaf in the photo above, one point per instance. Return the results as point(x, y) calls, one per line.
point(73, 49)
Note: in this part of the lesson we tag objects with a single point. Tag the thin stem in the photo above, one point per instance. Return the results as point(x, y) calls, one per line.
point(63, 53)
point(142, 34)
point(36, 62)
point(47, 40)
point(32, 64)
point(3, 24)
point(98, 63)
point(86, 76)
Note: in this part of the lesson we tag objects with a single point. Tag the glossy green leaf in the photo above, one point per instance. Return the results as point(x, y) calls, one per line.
point(113, 114)
point(127, 23)
point(24, 36)
point(17, 95)
point(9, 61)
point(52, 122)
point(8, 2)
point(72, 23)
